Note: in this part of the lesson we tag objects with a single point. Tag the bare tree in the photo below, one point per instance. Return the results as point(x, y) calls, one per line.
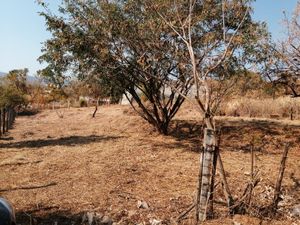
point(220, 37)
point(283, 64)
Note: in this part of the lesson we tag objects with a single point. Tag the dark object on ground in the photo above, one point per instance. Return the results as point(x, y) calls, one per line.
point(7, 214)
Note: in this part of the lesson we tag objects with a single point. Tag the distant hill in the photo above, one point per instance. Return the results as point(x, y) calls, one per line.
point(30, 79)
point(2, 74)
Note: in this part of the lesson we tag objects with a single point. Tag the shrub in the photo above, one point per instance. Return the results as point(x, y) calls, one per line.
point(83, 102)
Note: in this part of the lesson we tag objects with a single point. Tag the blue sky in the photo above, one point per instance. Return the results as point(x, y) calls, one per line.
point(22, 30)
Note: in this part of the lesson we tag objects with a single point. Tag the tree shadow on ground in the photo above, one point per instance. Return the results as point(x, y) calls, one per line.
point(4, 138)
point(236, 135)
point(28, 112)
point(64, 141)
point(49, 218)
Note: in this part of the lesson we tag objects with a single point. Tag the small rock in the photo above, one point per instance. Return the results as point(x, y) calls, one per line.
point(106, 221)
point(245, 220)
point(88, 217)
point(131, 213)
point(236, 223)
point(247, 173)
point(155, 222)
point(142, 205)
point(295, 211)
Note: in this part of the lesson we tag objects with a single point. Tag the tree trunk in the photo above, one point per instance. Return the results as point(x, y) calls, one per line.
point(163, 127)
point(209, 143)
point(96, 109)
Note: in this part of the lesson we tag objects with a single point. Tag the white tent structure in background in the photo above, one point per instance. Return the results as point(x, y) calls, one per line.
point(168, 92)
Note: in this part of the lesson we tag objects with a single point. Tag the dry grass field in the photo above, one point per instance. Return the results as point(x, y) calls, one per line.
point(55, 169)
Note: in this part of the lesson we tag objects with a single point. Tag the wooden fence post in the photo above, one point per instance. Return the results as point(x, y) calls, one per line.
point(10, 118)
point(209, 144)
point(0, 121)
point(6, 121)
point(3, 120)
point(277, 190)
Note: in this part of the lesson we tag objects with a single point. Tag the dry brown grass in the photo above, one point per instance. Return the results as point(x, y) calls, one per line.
point(106, 164)
point(264, 108)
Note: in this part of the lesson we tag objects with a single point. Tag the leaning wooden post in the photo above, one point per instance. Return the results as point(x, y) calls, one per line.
point(277, 191)
point(209, 143)
point(226, 189)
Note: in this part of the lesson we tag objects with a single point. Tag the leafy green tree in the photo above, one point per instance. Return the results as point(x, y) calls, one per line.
point(152, 45)
point(13, 89)
point(123, 43)
point(18, 79)
point(11, 97)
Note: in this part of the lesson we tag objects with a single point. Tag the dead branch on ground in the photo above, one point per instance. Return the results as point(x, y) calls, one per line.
point(29, 187)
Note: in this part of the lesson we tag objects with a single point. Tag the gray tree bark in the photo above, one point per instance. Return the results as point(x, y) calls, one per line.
point(209, 143)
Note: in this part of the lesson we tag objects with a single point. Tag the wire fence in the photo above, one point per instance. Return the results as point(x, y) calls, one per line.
point(7, 119)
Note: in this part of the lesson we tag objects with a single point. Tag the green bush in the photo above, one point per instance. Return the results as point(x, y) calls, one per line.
point(83, 102)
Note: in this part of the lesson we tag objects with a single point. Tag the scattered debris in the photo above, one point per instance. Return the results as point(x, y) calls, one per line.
point(296, 211)
point(106, 221)
point(142, 205)
point(155, 222)
point(29, 187)
point(247, 173)
point(93, 218)
point(245, 220)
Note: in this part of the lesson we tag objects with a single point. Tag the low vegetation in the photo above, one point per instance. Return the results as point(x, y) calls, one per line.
point(193, 70)
point(108, 163)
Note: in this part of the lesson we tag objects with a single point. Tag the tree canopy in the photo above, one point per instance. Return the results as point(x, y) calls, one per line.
point(155, 48)
point(13, 88)
point(282, 64)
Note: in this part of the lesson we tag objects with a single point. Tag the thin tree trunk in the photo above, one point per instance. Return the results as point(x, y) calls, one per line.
point(96, 107)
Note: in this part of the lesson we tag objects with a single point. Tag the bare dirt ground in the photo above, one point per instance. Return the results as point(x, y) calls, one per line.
point(55, 169)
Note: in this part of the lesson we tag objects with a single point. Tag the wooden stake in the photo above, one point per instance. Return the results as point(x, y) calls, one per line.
point(199, 186)
point(227, 193)
point(209, 143)
point(277, 191)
